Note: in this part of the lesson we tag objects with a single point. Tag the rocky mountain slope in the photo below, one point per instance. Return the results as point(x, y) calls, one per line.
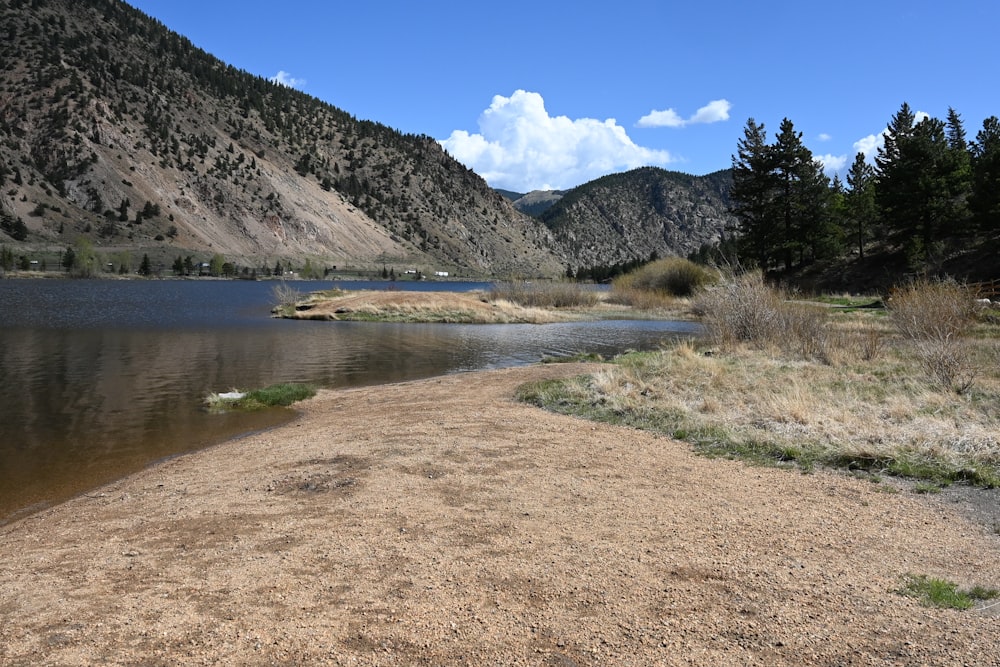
point(116, 130)
point(622, 217)
point(533, 203)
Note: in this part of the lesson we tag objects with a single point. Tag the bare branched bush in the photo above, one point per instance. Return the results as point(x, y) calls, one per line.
point(805, 330)
point(936, 316)
point(871, 343)
point(544, 294)
point(747, 310)
point(949, 362)
point(932, 310)
point(744, 309)
point(285, 296)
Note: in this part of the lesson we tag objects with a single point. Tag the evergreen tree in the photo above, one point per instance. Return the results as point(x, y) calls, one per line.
point(6, 258)
point(752, 194)
point(801, 204)
point(958, 174)
point(144, 267)
point(178, 267)
point(914, 184)
point(984, 200)
point(894, 185)
point(861, 212)
point(782, 199)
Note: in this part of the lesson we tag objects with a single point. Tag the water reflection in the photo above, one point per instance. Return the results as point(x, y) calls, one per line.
point(89, 397)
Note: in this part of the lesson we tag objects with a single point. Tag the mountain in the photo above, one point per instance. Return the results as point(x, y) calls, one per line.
point(115, 129)
point(534, 203)
point(627, 216)
point(119, 132)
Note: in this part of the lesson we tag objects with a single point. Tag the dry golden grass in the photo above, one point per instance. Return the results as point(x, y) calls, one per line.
point(775, 380)
point(854, 410)
point(530, 294)
point(412, 306)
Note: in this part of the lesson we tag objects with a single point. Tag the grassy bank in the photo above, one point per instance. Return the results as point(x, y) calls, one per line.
point(785, 384)
point(507, 303)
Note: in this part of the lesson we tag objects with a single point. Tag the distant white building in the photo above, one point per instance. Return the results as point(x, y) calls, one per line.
point(441, 274)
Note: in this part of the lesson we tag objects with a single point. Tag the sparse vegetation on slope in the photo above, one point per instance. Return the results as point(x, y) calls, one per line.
point(115, 129)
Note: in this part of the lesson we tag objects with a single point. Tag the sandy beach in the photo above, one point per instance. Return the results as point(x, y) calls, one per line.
point(440, 522)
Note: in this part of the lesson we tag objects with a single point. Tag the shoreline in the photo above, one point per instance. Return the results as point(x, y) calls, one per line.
point(441, 522)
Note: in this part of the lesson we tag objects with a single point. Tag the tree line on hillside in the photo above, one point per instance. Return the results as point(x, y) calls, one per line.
point(930, 192)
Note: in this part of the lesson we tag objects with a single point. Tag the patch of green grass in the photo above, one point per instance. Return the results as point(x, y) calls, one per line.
point(281, 395)
point(927, 488)
point(276, 395)
point(934, 592)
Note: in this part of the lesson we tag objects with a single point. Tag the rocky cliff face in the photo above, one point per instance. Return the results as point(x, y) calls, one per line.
point(622, 217)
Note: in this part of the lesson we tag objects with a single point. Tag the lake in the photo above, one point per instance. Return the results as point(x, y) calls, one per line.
point(99, 379)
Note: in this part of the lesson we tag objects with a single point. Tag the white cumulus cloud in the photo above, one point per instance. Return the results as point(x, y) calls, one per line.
point(832, 163)
point(869, 145)
point(521, 147)
point(283, 78)
point(713, 112)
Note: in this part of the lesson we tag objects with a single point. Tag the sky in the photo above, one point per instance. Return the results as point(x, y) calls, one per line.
point(542, 95)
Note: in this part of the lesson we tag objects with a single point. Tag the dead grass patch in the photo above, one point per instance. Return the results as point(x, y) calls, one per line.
point(747, 403)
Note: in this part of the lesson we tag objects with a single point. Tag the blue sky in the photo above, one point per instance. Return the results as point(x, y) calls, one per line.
point(538, 95)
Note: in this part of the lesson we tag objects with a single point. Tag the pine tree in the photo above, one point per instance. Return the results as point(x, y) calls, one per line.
point(802, 199)
point(911, 192)
point(984, 200)
point(752, 194)
point(958, 176)
point(860, 202)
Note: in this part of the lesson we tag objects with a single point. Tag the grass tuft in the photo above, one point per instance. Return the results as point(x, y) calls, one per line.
point(276, 395)
point(943, 594)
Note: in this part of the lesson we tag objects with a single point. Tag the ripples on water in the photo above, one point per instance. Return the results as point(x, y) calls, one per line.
point(100, 378)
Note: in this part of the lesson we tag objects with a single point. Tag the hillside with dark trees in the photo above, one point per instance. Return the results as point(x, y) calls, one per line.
point(929, 206)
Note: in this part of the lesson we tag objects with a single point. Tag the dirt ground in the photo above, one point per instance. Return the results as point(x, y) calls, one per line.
point(441, 523)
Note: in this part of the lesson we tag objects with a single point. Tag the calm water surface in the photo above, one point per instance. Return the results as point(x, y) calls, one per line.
point(99, 379)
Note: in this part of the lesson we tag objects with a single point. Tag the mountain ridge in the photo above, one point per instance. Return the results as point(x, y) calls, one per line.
point(115, 130)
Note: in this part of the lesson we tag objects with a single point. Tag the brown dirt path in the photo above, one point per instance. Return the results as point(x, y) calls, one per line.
point(441, 523)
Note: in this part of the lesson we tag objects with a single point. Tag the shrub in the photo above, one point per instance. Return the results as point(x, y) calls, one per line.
point(544, 294)
point(936, 316)
point(932, 310)
point(744, 309)
point(747, 310)
point(673, 276)
point(285, 297)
